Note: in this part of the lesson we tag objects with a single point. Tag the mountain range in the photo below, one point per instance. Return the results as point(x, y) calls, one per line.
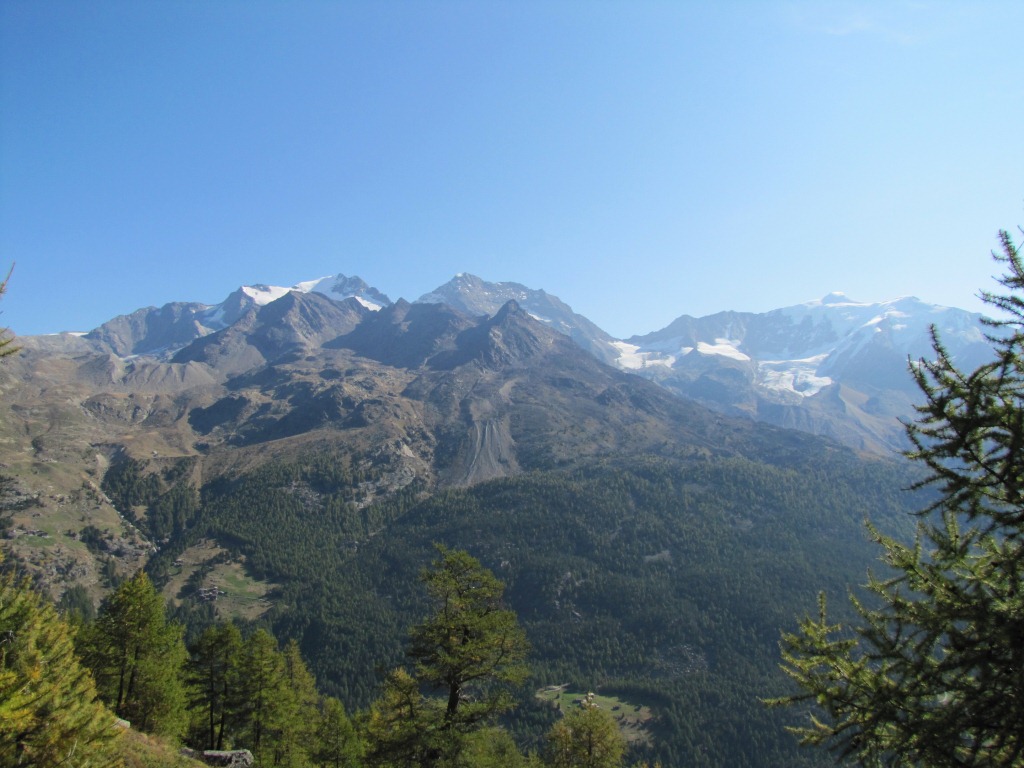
point(834, 367)
point(298, 451)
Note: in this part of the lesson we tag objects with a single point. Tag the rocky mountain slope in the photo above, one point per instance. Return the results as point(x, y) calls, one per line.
point(474, 296)
point(411, 387)
point(833, 367)
point(419, 392)
point(297, 463)
point(159, 332)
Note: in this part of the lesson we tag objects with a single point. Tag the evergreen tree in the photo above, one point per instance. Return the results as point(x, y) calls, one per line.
point(337, 743)
point(137, 658)
point(467, 647)
point(402, 726)
point(495, 748)
point(587, 737)
point(212, 676)
point(935, 674)
point(298, 713)
point(75, 606)
point(49, 714)
point(261, 697)
point(470, 643)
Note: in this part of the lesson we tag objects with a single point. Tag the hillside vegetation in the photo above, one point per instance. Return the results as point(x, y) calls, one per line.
point(666, 580)
point(294, 471)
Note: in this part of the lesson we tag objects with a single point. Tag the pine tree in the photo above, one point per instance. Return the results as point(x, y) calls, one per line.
point(470, 643)
point(298, 710)
point(468, 647)
point(337, 743)
point(935, 674)
point(137, 658)
point(587, 737)
point(403, 727)
point(494, 747)
point(261, 697)
point(211, 674)
point(49, 713)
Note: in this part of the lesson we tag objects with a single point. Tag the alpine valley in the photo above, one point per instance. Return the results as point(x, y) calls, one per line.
point(660, 507)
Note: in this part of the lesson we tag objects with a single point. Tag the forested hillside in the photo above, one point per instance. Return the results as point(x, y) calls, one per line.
point(665, 579)
point(293, 472)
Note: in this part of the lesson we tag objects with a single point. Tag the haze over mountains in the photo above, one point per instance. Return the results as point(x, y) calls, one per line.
point(835, 366)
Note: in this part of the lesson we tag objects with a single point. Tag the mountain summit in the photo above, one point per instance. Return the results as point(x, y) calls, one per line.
point(833, 366)
point(339, 287)
point(297, 451)
point(162, 331)
point(475, 297)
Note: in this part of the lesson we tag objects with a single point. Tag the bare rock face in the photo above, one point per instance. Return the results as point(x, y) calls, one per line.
point(152, 330)
point(295, 325)
point(476, 297)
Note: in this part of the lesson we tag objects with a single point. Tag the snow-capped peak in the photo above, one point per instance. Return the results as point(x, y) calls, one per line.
point(804, 348)
point(263, 294)
point(340, 287)
point(837, 297)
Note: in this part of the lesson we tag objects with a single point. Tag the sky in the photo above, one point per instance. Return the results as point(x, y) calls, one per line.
point(640, 160)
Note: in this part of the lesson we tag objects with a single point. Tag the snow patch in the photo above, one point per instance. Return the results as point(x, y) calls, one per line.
point(308, 286)
point(797, 376)
point(630, 355)
point(213, 318)
point(370, 305)
point(723, 348)
point(632, 359)
point(264, 294)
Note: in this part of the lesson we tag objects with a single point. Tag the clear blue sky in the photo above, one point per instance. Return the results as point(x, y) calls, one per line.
point(640, 160)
